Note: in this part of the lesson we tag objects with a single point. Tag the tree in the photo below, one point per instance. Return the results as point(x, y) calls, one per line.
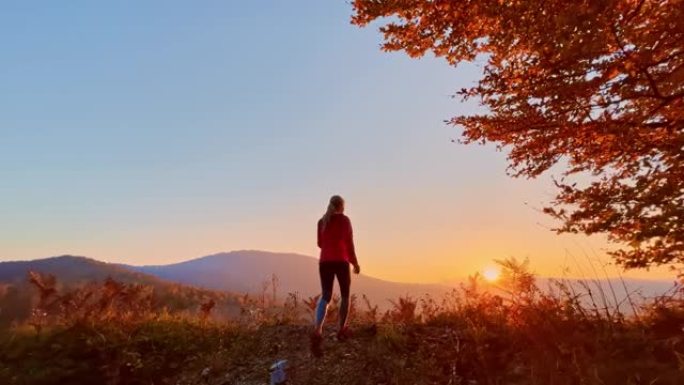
point(596, 86)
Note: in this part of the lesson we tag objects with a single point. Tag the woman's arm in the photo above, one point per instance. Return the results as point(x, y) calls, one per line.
point(318, 235)
point(350, 248)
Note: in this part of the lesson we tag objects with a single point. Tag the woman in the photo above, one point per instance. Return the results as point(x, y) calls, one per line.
point(337, 253)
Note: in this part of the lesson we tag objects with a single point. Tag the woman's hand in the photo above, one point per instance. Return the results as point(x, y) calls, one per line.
point(357, 269)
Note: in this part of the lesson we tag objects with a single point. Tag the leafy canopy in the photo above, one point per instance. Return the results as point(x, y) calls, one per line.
point(597, 85)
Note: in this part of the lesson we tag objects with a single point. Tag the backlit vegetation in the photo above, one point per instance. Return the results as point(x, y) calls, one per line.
point(516, 334)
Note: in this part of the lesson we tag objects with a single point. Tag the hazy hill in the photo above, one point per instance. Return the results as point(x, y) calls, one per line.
point(17, 295)
point(183, 285)
point(612, 292)
point(72, 270)
point(247, 271)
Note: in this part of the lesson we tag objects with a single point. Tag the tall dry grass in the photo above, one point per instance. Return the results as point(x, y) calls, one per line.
point(513, 333)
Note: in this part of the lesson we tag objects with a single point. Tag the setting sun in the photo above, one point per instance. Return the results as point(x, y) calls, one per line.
point(491, 273)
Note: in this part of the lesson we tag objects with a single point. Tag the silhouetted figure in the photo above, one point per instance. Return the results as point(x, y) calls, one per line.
point(336, 242)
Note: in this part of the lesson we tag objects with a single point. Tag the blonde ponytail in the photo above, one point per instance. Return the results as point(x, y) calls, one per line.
point(335, 205)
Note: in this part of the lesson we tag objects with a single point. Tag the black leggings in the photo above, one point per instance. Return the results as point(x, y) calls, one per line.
point(328, 271)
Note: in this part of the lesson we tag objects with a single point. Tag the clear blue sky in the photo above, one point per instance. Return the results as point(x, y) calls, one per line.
point(158, 131)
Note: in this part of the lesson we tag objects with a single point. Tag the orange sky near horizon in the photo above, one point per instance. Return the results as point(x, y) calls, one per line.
point(425, 240)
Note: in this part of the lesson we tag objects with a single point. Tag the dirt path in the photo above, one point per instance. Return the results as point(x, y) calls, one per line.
point(249, 360)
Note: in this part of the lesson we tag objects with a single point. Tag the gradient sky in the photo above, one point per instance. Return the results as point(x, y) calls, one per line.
point(150, 132)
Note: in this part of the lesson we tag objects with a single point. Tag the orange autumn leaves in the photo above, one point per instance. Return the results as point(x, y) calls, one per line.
point(598, 85)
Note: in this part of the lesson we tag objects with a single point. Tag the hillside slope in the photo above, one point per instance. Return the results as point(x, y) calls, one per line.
point(17, 296)
point(73, 270)
point(248, 271)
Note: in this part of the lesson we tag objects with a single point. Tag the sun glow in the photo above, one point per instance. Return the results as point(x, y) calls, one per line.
point(491, 273)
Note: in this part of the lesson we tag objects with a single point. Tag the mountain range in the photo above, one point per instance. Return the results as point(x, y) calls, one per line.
point(253, 272)
point(17, 296)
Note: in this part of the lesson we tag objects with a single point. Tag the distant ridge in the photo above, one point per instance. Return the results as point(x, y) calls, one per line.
point(246, 271)
point(17, 296)
point(71, 269)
